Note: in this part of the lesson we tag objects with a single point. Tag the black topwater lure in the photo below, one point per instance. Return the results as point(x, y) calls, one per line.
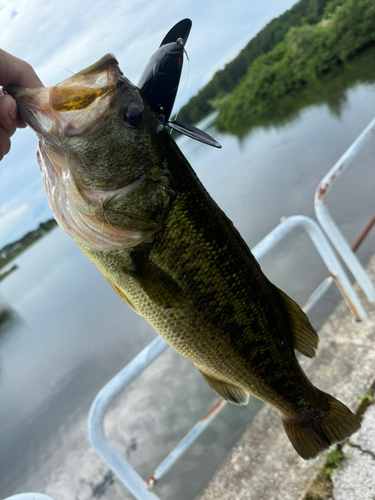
point(160, 80)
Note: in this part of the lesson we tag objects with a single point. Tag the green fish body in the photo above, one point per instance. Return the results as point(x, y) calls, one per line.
point(120, 187)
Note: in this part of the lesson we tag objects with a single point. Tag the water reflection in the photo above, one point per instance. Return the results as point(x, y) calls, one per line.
point(9, 321)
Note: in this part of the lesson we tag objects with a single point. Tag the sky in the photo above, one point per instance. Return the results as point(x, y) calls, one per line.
point(59, 37)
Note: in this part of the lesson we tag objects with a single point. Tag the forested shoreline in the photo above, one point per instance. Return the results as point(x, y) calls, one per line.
point(304, 12)
point(12, 250)
point(292, 53)
point(305, 55)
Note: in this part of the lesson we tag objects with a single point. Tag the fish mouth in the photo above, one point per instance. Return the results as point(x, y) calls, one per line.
point(76, 106)
point(81, 107)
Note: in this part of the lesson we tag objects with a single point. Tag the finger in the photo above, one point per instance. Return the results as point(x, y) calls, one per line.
point(14, 71)
point(20, 122)
point(8, 114)
point(4, 143)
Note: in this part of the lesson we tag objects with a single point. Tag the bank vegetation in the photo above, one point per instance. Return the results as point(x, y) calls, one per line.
point(304, 12)
point(304, 55)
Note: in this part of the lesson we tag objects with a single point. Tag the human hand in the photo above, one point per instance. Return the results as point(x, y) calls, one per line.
point(13, 71)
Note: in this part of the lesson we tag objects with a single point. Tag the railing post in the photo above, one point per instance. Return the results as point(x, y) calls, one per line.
point(325, 251)
point(328, 224)
point(95, 425)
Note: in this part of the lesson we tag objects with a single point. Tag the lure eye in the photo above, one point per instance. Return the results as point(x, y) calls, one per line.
point(132, 116)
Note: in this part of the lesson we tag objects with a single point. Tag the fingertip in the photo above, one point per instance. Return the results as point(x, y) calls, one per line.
point(13, 110)
point(8, 114)
point(15, 71)
point(29, 77)
point(7, 105)
point(21, 123)
point(4, 143)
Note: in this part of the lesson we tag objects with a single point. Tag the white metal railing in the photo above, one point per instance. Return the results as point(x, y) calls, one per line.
point(95, 425)
point(328, 224)
point(129, 477)
point(329, 257)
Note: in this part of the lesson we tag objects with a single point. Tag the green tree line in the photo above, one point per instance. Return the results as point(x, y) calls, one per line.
point(306, 53)
point(225, 80)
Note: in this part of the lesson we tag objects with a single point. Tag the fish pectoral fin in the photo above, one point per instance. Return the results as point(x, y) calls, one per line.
point(305, 338)
point(230, 392)
point(161, 288)
point(121, 294)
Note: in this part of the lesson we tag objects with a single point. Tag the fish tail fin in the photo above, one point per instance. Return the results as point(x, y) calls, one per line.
point(315, 430)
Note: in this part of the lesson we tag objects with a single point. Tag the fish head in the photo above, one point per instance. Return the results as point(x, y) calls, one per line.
point(90, 116)
point(98, 148)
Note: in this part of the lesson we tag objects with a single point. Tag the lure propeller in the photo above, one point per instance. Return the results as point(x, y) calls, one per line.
point(161, 77)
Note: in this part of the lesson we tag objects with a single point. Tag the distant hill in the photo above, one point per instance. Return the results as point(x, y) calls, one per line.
point(225, 80)
point(10, 251)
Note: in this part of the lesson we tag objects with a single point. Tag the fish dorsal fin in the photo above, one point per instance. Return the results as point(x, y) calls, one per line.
point(305, 338)
point(158, 285)
point(121, 294)
point(230, 392)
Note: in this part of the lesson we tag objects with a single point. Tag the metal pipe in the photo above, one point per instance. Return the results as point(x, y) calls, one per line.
point(326, 221)
point(326, 252)
point(326, 283)
point(124, 471)
point(317, 294)
point(182, 446)
point(363, 234)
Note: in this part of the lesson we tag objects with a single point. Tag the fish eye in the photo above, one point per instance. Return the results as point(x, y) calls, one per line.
point(132, 116)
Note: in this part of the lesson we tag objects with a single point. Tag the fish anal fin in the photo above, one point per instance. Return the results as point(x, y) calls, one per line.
point(121, 294)
point(230, 392)
point(158, 285)
point(305, 338)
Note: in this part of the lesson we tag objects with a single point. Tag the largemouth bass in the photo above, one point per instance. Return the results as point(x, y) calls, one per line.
point(121, 188)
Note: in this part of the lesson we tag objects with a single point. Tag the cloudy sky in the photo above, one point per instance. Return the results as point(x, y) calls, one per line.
point(58, 36)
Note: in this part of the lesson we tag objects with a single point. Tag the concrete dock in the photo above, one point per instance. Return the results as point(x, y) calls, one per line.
point(265, 466)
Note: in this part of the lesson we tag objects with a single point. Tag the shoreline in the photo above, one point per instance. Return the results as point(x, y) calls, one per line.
point(8, 271)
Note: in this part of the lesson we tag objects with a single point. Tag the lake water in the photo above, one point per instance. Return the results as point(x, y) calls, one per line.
point(64, 332)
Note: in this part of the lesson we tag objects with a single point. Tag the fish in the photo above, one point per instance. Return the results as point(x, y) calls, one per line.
point(118, 184)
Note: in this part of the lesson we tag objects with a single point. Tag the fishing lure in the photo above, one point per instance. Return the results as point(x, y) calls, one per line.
point(161, 77)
